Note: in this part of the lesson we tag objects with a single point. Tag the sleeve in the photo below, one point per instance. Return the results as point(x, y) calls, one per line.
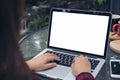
point(35, 77)
point(85, 76)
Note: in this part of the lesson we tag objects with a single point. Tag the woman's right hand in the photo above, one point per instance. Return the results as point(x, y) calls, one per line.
point(80, 64)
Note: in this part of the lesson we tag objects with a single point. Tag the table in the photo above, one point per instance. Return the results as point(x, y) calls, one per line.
point(35, 42)
point(110, 55)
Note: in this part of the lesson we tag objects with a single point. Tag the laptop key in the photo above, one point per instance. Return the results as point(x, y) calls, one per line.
point(94, 63)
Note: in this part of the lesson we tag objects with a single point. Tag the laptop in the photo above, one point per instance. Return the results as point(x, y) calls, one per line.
point(76, 32)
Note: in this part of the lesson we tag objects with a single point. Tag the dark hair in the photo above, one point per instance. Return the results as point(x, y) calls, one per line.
point(12, 64)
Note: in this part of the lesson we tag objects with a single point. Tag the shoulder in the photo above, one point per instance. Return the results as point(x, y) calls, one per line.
point(85, 76)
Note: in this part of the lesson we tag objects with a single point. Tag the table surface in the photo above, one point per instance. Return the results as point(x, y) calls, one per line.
point(35, 42)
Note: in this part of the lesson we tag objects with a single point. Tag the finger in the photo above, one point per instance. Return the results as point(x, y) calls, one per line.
point(52, 57)
point(86, 57)
point(78, 57)
point(49, 54)
point(72, 65)
point(50, 65)
point(81, 56)
point(75, 59)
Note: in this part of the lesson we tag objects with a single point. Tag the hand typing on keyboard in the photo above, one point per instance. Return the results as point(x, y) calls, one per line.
point(80, 64)
point(65, 59)
point(42, 62)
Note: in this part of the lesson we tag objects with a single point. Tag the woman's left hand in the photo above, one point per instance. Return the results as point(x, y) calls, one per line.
point(43, 62)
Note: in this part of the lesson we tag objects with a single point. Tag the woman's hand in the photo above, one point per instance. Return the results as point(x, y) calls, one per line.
point(42, 62)
point(80, 64)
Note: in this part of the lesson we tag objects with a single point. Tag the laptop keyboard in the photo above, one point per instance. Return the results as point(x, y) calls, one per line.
point(67, 60)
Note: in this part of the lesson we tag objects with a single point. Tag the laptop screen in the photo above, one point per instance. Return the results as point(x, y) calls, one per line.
point(82, 32)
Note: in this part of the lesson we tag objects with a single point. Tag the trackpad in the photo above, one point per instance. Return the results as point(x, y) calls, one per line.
point(57, 72)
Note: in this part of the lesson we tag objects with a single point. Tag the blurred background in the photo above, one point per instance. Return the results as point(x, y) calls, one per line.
point(37, 11)
point(35, 32)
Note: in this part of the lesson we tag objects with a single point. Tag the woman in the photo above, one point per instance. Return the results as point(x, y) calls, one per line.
point(12, 64)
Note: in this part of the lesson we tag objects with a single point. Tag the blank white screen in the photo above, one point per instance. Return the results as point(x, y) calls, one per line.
point(79, 32)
